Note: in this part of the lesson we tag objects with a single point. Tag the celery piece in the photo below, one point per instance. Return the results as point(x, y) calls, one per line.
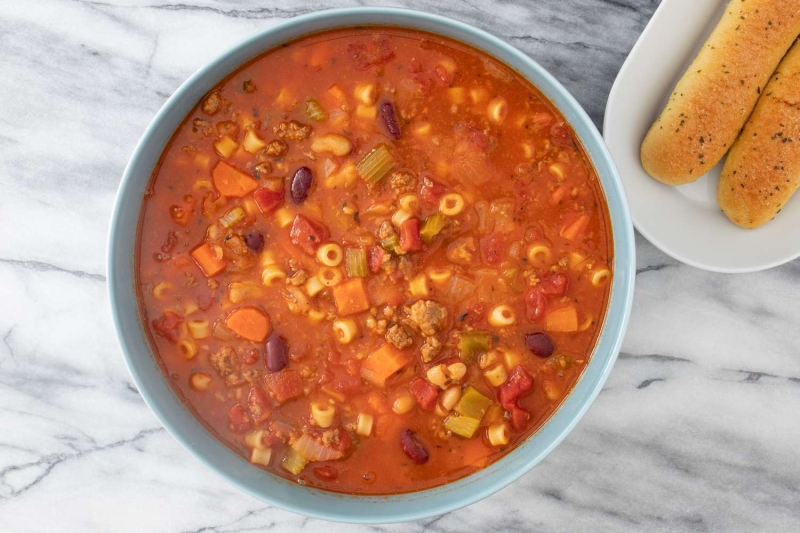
point(314, 110)
point(294, 462)
point(472, 404)
point(432, 226)
point(376, 165)
point(472, 344)
point(355, 262)
point(462, 425)
point(511, 276)
point(232, 217)
point(391, 244)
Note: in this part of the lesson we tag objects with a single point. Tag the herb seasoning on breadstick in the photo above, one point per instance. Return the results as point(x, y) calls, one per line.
point(716, 95)
point(762, 170)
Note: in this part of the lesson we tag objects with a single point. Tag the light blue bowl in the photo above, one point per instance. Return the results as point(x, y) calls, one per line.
point(180, 422)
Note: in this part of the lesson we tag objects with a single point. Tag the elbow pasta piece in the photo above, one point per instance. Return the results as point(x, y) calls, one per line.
point(284, 216)
point(367, 111)
point(418, 285)
point(268, 258)
point(587, 323)
point(323, 414)
point(600, 277)
point(252, 142)
point(190, 308)
point(440, 276)
point(200, 381)
point(498, 434)
point(539, 254)
point(198, 329)
point(160, 289)
point(330, 254)
point(316, 315)
point(364, 424)
point(497, 110)
point(366, 93)
point(188, 348)
point(255, 439)
point(330, 276)
point(345, 330)
point(314, 286)
point(261, 456)
point(451, 204)
point(272, 276)
point(410, 203)
point(501, 316)
point(496, 376)
point(403, 404)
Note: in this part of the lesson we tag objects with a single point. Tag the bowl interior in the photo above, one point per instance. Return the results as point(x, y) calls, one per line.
point(181, 423)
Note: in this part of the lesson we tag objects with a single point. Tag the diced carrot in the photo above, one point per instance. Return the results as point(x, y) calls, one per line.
point(574, 229)
point(383, 363)
point(250, 323)
point(232, 182)
point(337, 93)
point(209, 259)
point(562, 320)
point(351, 297)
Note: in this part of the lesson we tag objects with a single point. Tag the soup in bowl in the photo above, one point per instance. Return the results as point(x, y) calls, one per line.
point(373, 260)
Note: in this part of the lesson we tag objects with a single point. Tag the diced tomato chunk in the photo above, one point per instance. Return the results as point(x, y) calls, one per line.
point(284, 385)
point(375, 52)
point(535, 305)
point(238, 418)
point(375, 258)
point(493, 249)
point(430, 191)
point(561, 135)
point(167, 325)
point(259, 405)
point(307, 234)
point(442, 76)
point(425, 393)
point(268, 200)
point(410, 239)
point(519, 417)
point(518, 383)
point(554, 284)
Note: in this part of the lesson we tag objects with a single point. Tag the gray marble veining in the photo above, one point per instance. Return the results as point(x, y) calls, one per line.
point(696, 430)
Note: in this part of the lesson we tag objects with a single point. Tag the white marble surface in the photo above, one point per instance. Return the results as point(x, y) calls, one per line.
point(696, 430)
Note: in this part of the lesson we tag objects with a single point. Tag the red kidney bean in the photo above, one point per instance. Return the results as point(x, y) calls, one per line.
point(539, 344)
point(326, 473)
point(389, 118)
point(301, 183)
point(254, 241)
point(412, 447)
point(277, 356)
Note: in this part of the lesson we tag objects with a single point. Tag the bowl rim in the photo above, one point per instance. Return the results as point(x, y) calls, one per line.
point(205, 446)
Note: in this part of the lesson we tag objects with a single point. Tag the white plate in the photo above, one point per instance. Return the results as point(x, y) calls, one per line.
point(685, 222)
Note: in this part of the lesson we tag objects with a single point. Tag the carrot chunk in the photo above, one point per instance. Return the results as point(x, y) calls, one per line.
point(250, 323)
point(575, 229)
point(351, 297)
point(232, 182)
point(562, 320)
point(209, 259)
point(383, 363)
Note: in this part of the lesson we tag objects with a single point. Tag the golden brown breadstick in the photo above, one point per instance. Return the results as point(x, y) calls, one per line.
point(763, 167)
point(717, 93)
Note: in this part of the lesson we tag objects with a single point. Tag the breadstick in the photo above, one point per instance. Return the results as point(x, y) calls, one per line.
point(716, 95)
point(763, 167)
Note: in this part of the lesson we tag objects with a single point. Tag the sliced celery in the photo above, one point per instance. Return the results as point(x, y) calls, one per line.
point(232, 217)
point(294, 462)
point(315, 111)
point(473, 404)
point(511, 275)
point(432, 226)
point(376, 165)
point(391, 244)
point(472, 344)
point(355, 262)
point(462, 425)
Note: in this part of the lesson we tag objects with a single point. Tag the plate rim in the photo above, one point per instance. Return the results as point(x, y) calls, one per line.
point(651, 237)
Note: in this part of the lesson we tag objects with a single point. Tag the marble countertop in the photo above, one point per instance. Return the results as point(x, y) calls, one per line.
point(697, 428)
